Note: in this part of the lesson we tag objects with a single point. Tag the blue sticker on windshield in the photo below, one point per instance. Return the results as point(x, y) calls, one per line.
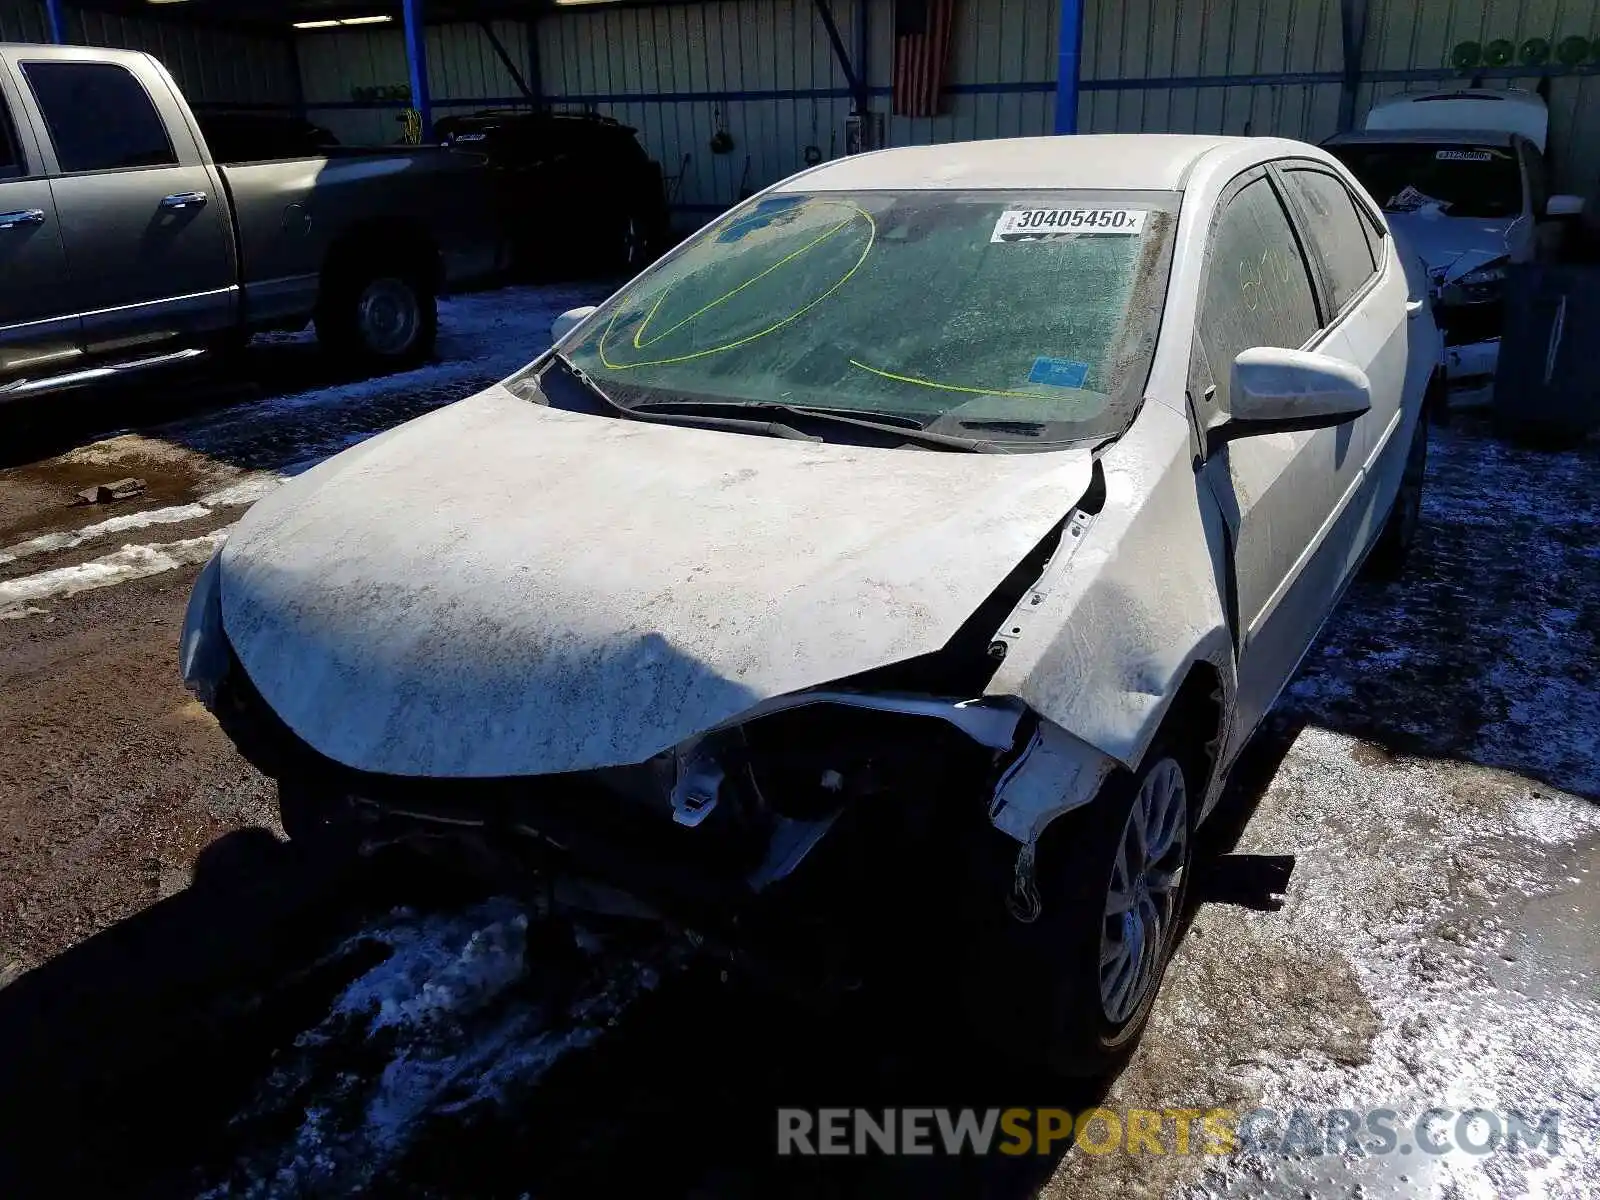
point(1059, 372)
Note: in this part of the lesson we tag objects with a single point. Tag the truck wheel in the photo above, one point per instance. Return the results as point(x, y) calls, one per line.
point(1071, 990)
point(380, 316)
point(1387, 561)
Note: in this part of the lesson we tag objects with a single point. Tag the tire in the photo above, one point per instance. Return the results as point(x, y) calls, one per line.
point(1041, 992)
point(379, 316)
point(1387, 561)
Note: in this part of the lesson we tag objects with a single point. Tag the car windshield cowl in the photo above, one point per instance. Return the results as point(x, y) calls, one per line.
point(980, 319)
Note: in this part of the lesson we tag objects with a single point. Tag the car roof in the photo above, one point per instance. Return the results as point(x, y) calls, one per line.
point(1476, 137)
point(1102, 162)
point(1511, 110)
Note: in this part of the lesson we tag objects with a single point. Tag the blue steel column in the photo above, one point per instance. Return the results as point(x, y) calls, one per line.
point(417, 61)
point(57, 20)
point(1067, 66)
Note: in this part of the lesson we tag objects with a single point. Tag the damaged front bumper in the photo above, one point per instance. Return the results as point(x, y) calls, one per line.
point(824, 819)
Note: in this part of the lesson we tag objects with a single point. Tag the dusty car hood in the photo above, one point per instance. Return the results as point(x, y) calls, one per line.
point(500, 588)
point(1451, 246)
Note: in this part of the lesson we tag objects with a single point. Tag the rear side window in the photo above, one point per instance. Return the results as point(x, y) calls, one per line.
point(1337, 232)
point(1258, 291)
point(99, 116)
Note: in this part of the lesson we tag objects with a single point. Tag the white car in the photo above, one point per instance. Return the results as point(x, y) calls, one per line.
point(900, 562)
point(1462, 178)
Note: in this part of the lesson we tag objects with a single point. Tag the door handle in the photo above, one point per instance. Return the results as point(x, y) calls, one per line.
point(1413, 308)
point(180, 200)
point(24, 216)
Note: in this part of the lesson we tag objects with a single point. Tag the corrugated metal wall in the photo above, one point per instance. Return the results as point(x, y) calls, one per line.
point(212, 66)
point(1414, 35)
point(764, 72)
point(1128, 41)
point(337, 66)
point(730, 65)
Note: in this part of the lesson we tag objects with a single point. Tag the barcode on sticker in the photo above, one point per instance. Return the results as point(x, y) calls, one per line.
point(1022, 224)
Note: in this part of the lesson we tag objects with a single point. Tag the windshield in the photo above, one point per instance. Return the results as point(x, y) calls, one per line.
point(1027, 317)
point(1464, 180)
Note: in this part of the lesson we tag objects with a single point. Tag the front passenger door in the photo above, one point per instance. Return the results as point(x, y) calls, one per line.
point(143, 219)
point(38, 321)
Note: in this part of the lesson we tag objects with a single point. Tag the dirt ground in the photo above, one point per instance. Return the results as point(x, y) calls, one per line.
point(192, 1006)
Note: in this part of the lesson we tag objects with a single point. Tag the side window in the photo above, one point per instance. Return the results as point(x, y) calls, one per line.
point(99, 116)
point(1258, 289)
point(1336, 230)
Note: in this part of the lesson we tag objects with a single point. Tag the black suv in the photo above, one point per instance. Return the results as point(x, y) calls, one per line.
point(576, 191)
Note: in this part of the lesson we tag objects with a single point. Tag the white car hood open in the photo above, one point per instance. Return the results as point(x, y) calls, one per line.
point(1451, 246)
point(501, 588)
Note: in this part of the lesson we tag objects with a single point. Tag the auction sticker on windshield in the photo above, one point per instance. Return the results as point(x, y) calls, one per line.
point(1025, 224)
point(1464, 156)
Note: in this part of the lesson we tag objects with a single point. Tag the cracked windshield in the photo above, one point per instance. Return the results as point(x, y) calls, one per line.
point(1003, 316)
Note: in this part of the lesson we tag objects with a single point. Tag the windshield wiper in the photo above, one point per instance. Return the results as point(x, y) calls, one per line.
point(693, 420)
point(883, 423)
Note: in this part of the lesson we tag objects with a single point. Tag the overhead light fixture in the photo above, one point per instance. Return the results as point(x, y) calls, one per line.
point(334, 23)
point(572, 3)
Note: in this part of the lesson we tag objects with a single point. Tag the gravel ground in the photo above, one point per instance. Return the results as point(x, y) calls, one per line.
point(195, 1007)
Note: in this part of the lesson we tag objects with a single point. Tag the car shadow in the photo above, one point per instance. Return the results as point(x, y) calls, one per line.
point(41, 427)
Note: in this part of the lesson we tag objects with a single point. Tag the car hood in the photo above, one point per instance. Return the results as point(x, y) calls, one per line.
point(502, 588)
point(1452, 246)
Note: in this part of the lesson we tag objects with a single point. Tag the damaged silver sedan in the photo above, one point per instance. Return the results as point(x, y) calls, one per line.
point(902, 560)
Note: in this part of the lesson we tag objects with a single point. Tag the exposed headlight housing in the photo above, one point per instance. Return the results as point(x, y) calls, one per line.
point(1481, 285)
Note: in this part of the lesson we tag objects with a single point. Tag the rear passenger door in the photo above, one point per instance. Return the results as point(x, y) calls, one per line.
point(1373, 322)
point(1367, 322)
point(143, 219)
point(1285, 495)
point(39, 331)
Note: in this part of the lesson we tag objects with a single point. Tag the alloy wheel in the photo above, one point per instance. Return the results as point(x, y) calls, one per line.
point(1142, 900)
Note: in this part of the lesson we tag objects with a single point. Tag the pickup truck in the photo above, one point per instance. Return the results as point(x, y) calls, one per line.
point(125, 243)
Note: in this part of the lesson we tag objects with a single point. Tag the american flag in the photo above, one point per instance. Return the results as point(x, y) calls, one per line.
point(921, 50)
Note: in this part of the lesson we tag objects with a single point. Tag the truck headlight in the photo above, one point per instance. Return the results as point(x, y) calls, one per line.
point(203, 647)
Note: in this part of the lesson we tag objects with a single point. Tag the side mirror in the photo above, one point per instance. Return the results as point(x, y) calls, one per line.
point(1563, 206)
point(568, 321)
point(1285, 391)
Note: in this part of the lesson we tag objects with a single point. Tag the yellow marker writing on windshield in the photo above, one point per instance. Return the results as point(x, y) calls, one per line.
point(726, 296)
point(872, 237)
point(949, 387)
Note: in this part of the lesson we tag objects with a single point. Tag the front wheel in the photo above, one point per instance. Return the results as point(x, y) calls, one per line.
point(1072, 989)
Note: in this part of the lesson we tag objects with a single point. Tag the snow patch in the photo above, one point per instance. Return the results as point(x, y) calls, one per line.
point(131, 562)
point(454, 1019)
point(68, 539)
